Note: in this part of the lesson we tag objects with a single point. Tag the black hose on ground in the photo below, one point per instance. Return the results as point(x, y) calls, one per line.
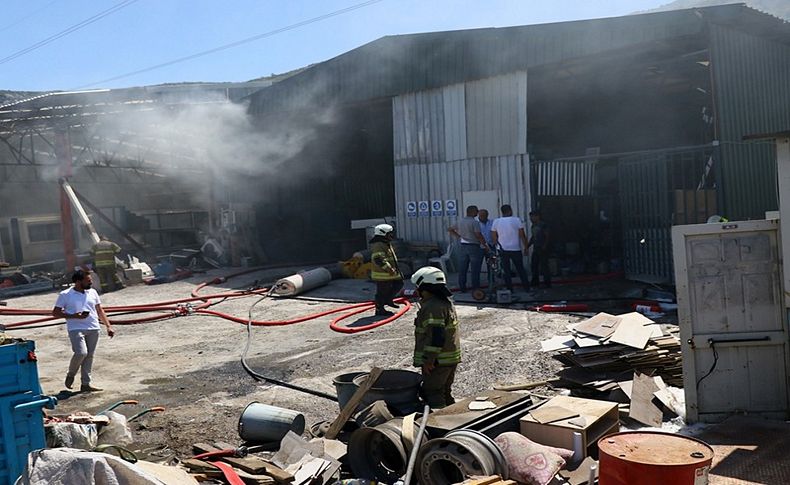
point(261, 377)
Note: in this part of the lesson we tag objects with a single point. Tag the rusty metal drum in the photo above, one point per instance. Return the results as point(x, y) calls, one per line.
point(653, 458)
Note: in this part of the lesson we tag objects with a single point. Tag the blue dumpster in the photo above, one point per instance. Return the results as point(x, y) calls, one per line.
point(21, 402)
point(18, 368)
point(21, 431)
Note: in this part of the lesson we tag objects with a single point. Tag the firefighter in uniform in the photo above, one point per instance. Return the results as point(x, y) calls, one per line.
point(385, 272)
point(437, 346)
point(104, 253)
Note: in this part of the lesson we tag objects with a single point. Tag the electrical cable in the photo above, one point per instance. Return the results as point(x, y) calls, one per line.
point(233, 44)
point(712, 367)
point(67, 31)
point(31, 14)
point(261, 377)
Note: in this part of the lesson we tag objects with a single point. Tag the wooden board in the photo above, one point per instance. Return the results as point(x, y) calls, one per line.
point(483, 481)
point(205, 468)
point(642, 407)
point(558, 342)
point(272, 470)
point(458, 415)
point(584, 341)
point(636, 317)
point(601, 325)
point(168, 475)
point(551, 414)
point(524, 386)
point(352, 404)
point(580, 475)
point(250, 464)
point(632, 332)
point(626, 387)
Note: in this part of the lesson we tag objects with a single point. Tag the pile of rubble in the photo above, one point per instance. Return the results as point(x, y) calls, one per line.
point(605, 349)
point(628, 359)
point(382, 434)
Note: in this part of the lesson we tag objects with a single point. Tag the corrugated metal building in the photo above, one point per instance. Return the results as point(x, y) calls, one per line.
point(572, 117)
point(457, 144)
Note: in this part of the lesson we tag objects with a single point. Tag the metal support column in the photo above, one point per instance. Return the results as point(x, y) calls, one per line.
point(783, 179)
point(783, 185)
point(63, 153)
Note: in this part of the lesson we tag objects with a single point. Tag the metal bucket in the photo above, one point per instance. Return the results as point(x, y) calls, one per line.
point(460, 454)
point(379, 453)
point(653, 458)
point(400, 389)
point(262, 423)
point(345, 387)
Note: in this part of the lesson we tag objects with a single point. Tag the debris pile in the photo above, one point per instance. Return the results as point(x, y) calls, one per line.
point(604, 350)
point(379, 435)
point(20, 284)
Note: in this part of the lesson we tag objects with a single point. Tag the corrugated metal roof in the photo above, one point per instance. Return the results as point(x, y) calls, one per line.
point(400, 64)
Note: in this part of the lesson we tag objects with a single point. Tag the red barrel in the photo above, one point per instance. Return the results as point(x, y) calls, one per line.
point(653, 458)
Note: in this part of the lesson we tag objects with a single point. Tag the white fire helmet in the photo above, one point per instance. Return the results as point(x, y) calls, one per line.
point(428, 275)
point(382, 230)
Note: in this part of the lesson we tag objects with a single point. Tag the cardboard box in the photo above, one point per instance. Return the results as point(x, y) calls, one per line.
point(602, 418)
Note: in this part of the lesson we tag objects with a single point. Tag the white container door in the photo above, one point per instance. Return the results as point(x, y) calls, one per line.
point(733, 325)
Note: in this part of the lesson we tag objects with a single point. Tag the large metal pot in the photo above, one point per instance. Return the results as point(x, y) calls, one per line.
point(399, 388)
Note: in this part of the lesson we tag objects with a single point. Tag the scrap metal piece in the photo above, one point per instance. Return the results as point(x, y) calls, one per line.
point(460, 454)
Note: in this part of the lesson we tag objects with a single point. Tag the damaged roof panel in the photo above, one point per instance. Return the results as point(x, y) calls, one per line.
point(406, 63)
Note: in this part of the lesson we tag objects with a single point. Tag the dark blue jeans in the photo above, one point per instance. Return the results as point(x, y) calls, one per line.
point(471, 255)
point(517, 258)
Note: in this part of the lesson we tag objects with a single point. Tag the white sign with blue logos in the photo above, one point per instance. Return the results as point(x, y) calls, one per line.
point(411, 208)
point(424, 208)
point(437, 208)
point(451, 207)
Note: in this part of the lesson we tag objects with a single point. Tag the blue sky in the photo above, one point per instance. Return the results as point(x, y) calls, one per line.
point(150, 32)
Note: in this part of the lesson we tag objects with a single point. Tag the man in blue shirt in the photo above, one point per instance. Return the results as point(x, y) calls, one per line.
point(472, 247)
point(485, 226)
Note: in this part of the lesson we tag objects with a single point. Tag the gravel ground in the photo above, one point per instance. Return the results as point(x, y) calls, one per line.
point(190, 365)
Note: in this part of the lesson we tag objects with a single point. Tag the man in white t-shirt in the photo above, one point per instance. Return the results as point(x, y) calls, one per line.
point(508, 233)
point(81, 307)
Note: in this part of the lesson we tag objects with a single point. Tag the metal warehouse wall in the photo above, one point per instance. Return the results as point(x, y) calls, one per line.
point(435, 135)
point(564, 178)
point(752, 91)
point(509, 175)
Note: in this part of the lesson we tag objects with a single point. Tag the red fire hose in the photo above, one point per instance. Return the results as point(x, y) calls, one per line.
point(166, 310)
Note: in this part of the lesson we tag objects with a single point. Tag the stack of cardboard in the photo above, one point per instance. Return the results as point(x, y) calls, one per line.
point(606, 349)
